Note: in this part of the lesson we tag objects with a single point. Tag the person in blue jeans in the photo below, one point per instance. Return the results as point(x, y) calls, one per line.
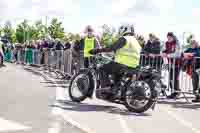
point(191, 55)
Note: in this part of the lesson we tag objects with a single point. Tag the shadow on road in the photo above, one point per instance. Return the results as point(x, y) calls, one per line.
point(62, 83)
point(84, 107)
point(35, 72)
point(180, 104)
point(170, 102)
point(187, 106)
point(62, 86)
point(55, 82)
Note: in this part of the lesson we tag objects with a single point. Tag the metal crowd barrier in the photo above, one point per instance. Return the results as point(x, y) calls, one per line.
point(62, 62)
point(66, 62)
point(168, 69)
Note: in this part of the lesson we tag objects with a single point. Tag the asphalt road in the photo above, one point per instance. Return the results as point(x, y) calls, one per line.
point(37, 103)
point(25, 105)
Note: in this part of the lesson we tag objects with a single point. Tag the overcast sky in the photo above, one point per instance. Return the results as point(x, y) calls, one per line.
point(158, 16)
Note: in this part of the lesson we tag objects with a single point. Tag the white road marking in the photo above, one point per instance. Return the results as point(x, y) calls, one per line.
point(78, 125)
point(56, 127)
point(7, 125)
point(57, 111)
point(123, 124)
point(181, 120)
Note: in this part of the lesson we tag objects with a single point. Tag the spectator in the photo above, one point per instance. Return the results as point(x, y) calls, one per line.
point(77, 58)
point(16, 52)
point(35, 52)
point(67, 46)
point(191, 60)
point(172, 52)
point(51, 44)
point(67, 60)
point(29, 54)
point(45, 52)
point(152, 50)
point(59, 53)
point(59, 45)
point(87, 43)
point(153, 45)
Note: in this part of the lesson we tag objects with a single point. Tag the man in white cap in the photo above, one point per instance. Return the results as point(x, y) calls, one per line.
point(88, 43)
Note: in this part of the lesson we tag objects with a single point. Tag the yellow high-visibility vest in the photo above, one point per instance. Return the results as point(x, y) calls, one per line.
point(89, 44)
point(129, 55)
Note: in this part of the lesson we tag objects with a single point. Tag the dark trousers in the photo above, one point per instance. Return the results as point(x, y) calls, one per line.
point(195, 82)
point(87, 61)
point(113, 69)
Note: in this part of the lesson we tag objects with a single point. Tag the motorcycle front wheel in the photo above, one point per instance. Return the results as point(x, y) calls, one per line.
point(139, 97)
point(81, 84)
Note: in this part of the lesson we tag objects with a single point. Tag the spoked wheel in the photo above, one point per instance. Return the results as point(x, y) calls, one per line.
point(79, 87)
point(138, 97)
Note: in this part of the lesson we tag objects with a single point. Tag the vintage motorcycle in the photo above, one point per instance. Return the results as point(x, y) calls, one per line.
point(137, 89)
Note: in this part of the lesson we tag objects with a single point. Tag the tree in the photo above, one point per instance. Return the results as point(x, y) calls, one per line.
point(107, 35)
point(38, 30)
point(189, 41)
point(1, 30)
point(71, 37)
point(56, 30)
point(9, 32)
point(22, 31)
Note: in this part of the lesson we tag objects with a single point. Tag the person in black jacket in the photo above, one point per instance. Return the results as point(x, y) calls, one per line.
point(152, 51)
point(59, 46)
point(191, 56)
point(59, 53)
point(67, 46)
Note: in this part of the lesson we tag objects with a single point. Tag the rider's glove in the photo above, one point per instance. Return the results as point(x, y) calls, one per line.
point(94, 51)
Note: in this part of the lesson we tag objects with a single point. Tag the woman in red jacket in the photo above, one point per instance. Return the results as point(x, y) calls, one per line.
point(173, 53)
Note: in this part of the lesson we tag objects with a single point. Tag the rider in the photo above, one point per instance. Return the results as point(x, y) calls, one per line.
point(87, 43)
point(127, 53)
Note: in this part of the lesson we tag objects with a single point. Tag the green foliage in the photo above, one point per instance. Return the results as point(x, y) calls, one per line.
point(108, 37)
point(9, 32)
point(188, 41)
point(1, 30)
point(26, 32)
point(38, 30)
point(71, 37)
point(22, 31)
point(56, 30)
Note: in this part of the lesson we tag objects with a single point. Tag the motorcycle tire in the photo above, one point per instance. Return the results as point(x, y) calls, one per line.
point(85, 95)
point(147, 106)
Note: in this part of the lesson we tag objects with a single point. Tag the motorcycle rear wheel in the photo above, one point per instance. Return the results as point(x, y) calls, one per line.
point(148, 104)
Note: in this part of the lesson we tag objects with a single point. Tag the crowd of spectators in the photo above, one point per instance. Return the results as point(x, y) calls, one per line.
point(151, 53)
